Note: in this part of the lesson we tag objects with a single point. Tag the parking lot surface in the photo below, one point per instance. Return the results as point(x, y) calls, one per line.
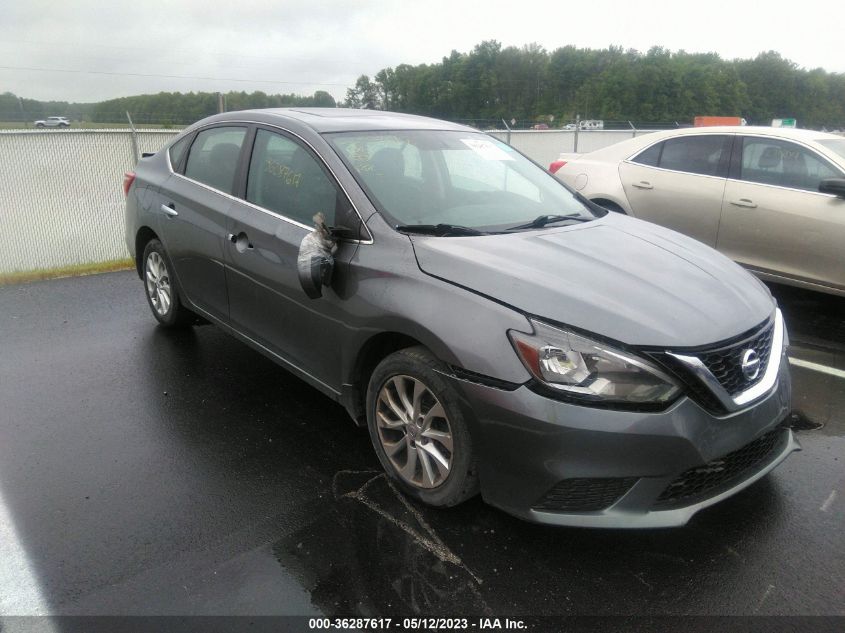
point(152, 472)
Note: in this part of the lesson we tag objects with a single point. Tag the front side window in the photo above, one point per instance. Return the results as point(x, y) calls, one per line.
point(285, 178)
point(776, 162)
point(428, 177)
point(213, 158)
point(836, 144)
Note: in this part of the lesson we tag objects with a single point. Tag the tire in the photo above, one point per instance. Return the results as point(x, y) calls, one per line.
point(39, 125)
point(396, 421)
point(160, 289)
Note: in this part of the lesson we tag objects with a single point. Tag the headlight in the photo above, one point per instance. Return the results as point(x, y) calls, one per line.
point(590, 370)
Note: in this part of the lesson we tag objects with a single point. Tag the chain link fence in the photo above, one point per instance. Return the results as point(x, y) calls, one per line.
point(61, 196)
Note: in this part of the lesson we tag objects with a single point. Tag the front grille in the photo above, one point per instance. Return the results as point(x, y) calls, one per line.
point(585, 494)
point(721, 474)
point(726, 363)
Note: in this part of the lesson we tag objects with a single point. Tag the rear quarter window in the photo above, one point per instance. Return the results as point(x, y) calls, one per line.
point(177, 151)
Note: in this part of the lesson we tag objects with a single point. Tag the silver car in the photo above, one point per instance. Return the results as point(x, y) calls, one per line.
point(494, 331)
point(772, 199)
point(53, 121)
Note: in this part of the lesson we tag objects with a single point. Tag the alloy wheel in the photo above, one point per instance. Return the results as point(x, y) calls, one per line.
point(414, 431)
point(158, 283)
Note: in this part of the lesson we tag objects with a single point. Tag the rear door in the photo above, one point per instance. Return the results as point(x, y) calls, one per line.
point(679, 183)
point(194, 203)
point(774, 219)
point(286, 185)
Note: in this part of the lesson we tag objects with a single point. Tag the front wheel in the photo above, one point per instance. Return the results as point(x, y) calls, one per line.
point(418, 429)
point(162, 296)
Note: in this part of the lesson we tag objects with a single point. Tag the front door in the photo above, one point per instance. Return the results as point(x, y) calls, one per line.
point(774, 219)
point(286, 186)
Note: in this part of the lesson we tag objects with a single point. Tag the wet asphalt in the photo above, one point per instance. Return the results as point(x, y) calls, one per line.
point(150, 472)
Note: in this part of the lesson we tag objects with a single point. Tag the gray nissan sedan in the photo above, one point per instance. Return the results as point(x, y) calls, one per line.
point(495, 331)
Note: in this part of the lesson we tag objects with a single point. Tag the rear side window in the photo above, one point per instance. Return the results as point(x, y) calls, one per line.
point(775, 162)
point(177, 150)
point(706, 155)
point(284, 177)
point(695, 154)
point(213, 159)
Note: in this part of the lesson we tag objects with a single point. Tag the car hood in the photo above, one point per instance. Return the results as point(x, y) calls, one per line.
point(619, 277)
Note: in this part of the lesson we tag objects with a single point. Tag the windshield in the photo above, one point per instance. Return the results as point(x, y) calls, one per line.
point(425, 177)
point(835, 144)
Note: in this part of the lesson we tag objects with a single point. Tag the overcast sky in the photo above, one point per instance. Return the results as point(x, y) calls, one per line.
point(302, 46)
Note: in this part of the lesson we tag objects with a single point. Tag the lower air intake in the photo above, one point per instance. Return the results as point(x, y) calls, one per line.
point(585, 494)
point(721, 474)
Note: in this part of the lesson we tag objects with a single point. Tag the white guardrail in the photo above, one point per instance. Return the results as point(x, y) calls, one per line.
point(61, 197)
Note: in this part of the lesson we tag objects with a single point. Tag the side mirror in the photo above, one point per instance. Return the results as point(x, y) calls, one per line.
point(315, 271)
point(315, 263)
point(835, 186)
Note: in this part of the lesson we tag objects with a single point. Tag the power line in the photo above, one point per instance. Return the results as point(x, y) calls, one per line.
point(51, 48)
point(157, 76)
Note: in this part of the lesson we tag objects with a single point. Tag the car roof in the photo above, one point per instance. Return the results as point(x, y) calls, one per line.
point(323, 120)
point(629, 147)
point(784, 132)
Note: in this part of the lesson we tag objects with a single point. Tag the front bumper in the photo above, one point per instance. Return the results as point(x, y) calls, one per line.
point(529, 444)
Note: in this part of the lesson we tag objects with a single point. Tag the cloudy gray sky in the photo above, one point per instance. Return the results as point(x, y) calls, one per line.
point(88, 50)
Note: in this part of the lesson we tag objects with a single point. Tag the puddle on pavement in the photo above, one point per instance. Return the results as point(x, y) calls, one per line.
point(374, 553)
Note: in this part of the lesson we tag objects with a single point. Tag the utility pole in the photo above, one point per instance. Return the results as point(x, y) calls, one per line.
point(133, 140)
point(221, 103)
point(577, 128)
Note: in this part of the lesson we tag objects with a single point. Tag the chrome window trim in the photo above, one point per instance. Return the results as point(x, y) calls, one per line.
point(770, 378)
point(275, 214)
point(674, 171)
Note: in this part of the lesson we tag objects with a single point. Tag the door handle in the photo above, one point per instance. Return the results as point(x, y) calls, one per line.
point(169, 210)
point(744, 202)
point(643, 184)
point(241, 241)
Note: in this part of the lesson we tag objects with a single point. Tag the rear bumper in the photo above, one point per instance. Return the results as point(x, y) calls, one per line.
point(528, 444)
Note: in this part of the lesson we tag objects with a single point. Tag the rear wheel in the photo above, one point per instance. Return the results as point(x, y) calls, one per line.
point(162, 296)
point(418, 430)
point(39, 125)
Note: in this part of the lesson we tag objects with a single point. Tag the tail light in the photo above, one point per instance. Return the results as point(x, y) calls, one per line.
point(128, 179)
point(556, 165)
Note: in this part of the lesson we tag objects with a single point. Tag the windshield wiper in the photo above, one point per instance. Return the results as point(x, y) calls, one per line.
point(541, 221)
point(438, 229)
